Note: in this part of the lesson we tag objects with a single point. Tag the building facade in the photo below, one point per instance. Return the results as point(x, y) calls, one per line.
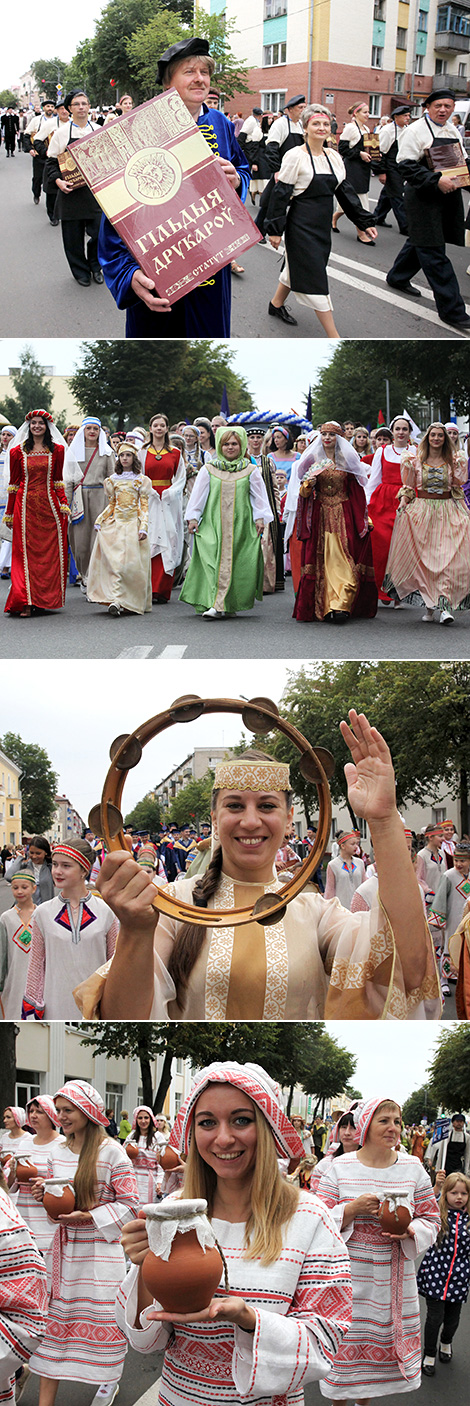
point(66, 824)
point(342, 51)
point(10, 802)
point(193, 768)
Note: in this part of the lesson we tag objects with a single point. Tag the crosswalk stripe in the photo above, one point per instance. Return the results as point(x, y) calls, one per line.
point(138, 651)
point(373, 272)
point(391, 295)
point(173, 651)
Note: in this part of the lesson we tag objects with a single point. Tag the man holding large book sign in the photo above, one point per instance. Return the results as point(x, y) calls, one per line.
point(204, 311)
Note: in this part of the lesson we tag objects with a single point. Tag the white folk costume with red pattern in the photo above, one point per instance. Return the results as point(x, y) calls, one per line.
point(382, 1352)
point(63, 954)
point(82, 1340)
point(32, 1211)
point(302, 1305)
point(15, 952)
point(146, 1167)
point(343, 878)
point(23, 1296)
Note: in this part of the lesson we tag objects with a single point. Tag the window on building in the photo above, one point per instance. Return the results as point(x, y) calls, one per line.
point(179, 1066)
point(399, 82)
point(438, 814)
point(419, 63)
point(423, 21)
point(375, 104)
point(441, 66)
point(402, 38)
point(12, 811)
point(462, 70)
point(114, 1099)
point(273, 102)
point(273, 8)
point(28, 1086)
point(377, 57)
point(450, 17)
point(178, 1102)
point(274, 54)
point(379, 9)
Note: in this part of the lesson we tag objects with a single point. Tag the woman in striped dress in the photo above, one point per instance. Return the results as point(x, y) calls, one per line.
point(43, 1117)
point(430, 546)
point(289, 1304)
point(82, 1342)
point(23, 1297)
point(382, 1353)
point(145, 1165)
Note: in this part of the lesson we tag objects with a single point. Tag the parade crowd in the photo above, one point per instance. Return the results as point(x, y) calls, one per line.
point(319, 1227)
point(306, 175)
point(223, 512)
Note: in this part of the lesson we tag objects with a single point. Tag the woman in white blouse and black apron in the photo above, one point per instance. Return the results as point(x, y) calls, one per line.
point(302, 205)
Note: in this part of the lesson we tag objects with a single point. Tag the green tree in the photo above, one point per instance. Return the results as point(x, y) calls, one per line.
point(420, 1107)
point(82, 72)
point(193, 802)
point(48, 73)
point(356, 383)
point(38, 782)
point(32, 387)
point(7, 98)
point(231, 73)
point(145, 46)
point(117, 23)
point(146, 815)
point(127, 383)
point(449, 1070)
point(164, 28)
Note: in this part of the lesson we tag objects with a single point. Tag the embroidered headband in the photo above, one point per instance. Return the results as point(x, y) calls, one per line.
point(74, 854)
point(126, 446)
point(347, 835)
point(32, 414)
point(24, 874)
point(86, 1098)
point(259, 1086)
point(245, 775)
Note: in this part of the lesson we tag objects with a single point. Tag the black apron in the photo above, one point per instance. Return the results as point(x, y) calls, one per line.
point(434, 218)
point(292, 139)
point(394, 180)
point(358, 172)
point(308, 232)
point(79, 204)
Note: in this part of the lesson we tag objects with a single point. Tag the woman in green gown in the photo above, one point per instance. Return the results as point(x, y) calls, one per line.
point(226, 515)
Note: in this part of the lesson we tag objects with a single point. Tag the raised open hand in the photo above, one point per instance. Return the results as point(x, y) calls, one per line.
point(370, 776)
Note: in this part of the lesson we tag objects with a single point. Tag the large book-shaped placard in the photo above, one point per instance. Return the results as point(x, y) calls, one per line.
point(447, 156)
point(160, 185)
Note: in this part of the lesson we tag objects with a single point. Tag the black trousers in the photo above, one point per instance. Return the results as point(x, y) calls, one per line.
point(10, 141)
point(439, 273)
point(82, 260)
point(37, 175)
point(440, 1311)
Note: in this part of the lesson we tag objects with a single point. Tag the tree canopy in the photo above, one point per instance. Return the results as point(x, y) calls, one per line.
point(8, 99)
point(420, 1107)
point(48, 73)
point(353, 382)
point(293, 1052)
point(127, 382)
point(38, 782)
point(32, 388)
point(146, 815)
point(449, 1070)
point(193, 802)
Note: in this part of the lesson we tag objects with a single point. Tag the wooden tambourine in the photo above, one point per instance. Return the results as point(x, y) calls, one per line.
point(260, 715)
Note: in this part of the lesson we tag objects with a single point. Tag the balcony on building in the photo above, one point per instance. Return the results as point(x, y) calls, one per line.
point(453, 28)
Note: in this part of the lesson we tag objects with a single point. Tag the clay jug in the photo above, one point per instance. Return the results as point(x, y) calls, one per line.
point(169, 1159)
point(183, 1267)
point(59, 1197)
point(25, 1171)
point(395, 1213)
point(132, 1151)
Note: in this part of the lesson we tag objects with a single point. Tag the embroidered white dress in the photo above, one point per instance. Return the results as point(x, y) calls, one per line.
point(83, 1342)
point(64, 952)
point(382, 1352)
point(144, 1167)
point(32, 1211)
point(23, 1296)
point(15, 952)
point(302, 1306)
point(343, 878)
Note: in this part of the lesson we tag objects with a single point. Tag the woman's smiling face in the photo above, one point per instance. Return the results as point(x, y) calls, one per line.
point(250, 826)
point(225, 1131)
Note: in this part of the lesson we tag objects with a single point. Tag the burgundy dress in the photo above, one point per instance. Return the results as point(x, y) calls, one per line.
point(335, 509)
point(38, 512)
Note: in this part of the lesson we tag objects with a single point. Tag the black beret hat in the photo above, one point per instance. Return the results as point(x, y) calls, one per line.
point(397, 111)
point(185, 49)
point(439, 93)
point(293, 102)
point(74, 93)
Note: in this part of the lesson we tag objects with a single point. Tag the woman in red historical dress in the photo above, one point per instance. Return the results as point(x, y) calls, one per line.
point(382, 496)
point(337, 574)
point(38, 513)
point(164, 466)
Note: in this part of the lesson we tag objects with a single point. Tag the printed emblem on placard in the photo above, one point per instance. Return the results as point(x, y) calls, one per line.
point(153, 177)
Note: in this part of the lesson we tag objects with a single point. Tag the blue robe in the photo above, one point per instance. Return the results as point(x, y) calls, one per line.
point(205, 312)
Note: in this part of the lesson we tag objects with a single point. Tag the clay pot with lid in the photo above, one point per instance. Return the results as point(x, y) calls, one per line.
point(395, 1213)
point(132, 1151)
point(59, 1197)
point(25, 1170)
point(183, 1267)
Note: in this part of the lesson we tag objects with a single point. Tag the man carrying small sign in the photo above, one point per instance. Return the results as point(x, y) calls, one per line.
point(205, 311)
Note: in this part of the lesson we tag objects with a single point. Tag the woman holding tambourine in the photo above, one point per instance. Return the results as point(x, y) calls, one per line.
point(316, 960)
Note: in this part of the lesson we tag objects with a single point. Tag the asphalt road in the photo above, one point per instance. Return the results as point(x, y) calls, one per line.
point(54, 305)
point(174, 631)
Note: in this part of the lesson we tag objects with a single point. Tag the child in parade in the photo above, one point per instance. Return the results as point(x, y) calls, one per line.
point(69, 934)
point(119, 571)
point(444, 1273)
point(15, 944)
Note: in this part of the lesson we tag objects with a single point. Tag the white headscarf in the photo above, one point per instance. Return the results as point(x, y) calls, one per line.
point(78, 443)
point(346, 457)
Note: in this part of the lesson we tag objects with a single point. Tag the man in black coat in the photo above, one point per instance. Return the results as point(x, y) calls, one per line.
point(434, 207)
point(10, 129)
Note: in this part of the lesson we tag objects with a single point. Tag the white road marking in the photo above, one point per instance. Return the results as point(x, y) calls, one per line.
point(374, 272)
point(391, 295)
point(138, 651)
point(173, 651)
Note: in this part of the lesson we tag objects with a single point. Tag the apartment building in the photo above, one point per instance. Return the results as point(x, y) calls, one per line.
point(193, 768)
point(341, 51)
point(10, 802)
point(66, 824)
